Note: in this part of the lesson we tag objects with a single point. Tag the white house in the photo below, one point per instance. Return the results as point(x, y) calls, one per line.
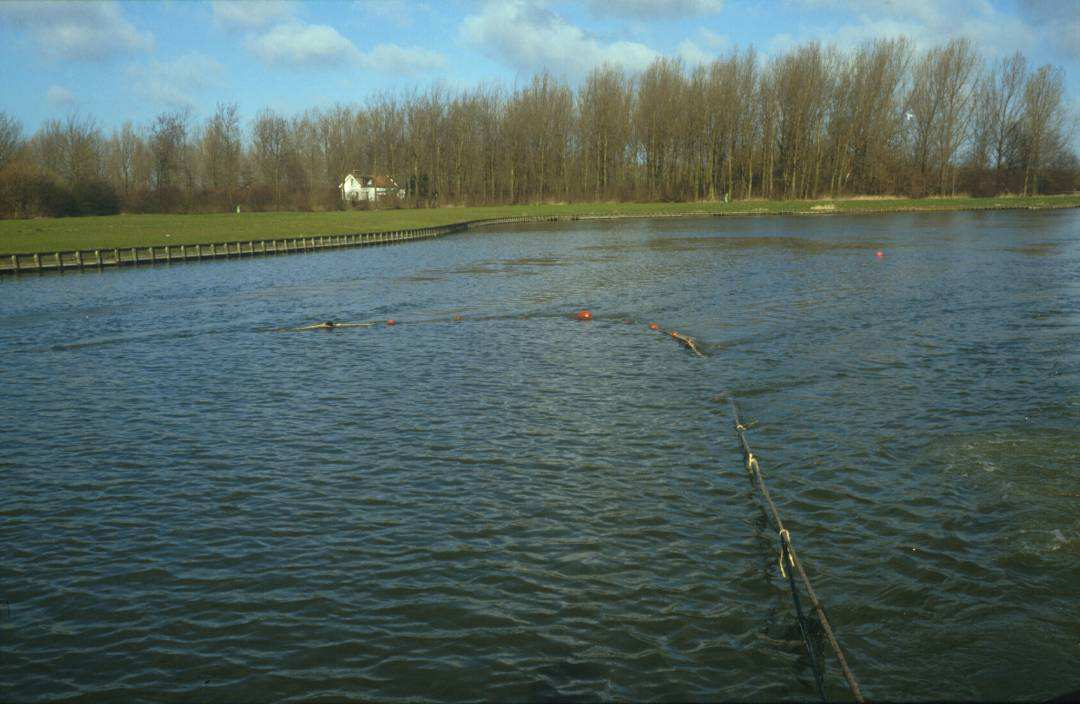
point(357, 188)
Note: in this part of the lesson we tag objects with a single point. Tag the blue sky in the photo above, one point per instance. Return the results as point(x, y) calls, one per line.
point(120, 61)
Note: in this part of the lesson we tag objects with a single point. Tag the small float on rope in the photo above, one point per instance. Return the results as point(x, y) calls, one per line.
point(687, 341)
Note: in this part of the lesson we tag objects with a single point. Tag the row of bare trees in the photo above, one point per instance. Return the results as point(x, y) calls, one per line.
point(815, 121)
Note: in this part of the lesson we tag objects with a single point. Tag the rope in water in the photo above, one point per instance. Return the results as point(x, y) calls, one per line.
point(787, 551)
point(787, 554)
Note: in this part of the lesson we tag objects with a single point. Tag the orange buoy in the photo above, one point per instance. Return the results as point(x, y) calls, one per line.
point(584, 315)
point(675, 334)
point(879, 254)
point(654, 326)
point(391, 322)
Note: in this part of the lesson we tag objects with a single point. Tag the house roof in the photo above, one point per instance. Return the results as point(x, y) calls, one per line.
point(384, 182)
point(378, 181)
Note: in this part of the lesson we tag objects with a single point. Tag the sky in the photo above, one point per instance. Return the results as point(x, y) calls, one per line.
point(118, 61)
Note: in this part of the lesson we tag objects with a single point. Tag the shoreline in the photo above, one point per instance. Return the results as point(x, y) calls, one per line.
point(59, 259)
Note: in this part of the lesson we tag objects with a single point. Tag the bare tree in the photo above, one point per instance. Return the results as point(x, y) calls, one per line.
point(70, 150)
point(220, 151)
point(1043, 122)
point(10, 138)
point(120, 161)
point(168, 138)
point(997, 112)
point(270, 150)
point(809, 121)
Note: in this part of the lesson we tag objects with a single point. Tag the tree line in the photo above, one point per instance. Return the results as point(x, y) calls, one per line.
point(881, 119)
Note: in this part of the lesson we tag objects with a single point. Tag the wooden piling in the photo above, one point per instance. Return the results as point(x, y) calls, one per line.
point(62, 260)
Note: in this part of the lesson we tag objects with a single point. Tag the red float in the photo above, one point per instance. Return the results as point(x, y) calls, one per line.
point(879, 254)
point(584, 315)
point(391, 322)
point(654, 326)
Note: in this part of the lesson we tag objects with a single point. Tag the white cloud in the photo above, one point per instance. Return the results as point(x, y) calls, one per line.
point(926, 23)
point(59, 96)
point(1066, 36)
point(654, 9)
point(924, 11)
point(402, 59)
point(177, 83)
point(1058, 21)
point(85, 31)
point(714, 40)
point(692, 54)
point(397, 12)
point(531, 37)
point(233, 14)
point(298, 45)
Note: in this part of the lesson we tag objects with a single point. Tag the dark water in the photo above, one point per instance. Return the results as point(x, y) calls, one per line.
point(519, 506)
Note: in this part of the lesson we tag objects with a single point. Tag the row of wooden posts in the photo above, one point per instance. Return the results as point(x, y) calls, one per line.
point(24, 262)
point(81, 259)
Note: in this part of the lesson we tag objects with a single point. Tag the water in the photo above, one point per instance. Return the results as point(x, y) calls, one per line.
point(520, 506)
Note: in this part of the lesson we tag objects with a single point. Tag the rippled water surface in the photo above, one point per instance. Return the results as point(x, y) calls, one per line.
point(520, 506)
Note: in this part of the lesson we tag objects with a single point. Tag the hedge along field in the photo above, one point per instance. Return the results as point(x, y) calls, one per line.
point(61, 234)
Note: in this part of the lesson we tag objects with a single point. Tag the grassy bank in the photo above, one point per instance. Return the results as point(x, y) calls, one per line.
point(49, 235)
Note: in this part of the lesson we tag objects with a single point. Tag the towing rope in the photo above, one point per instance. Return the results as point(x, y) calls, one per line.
point(753, 468)
point(788, 555)
point(787, 551)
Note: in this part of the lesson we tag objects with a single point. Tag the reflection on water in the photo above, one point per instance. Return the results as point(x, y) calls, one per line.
point(748, 244)
point(517, 505)
point(1038, 248)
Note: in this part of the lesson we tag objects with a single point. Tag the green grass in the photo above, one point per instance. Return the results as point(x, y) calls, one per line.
point(60, 234)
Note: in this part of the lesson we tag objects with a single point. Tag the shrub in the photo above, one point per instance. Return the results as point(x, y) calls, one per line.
point(95, 197)
point(26, 193)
